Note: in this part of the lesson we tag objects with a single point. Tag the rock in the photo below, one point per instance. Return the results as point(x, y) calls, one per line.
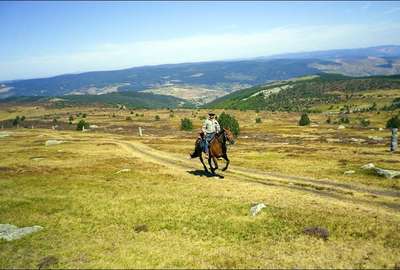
point(53, 142)
point(46, 262)
point(93, 126)
point(123, 170)
point(341, 127)
point(368, 166)
point(382, 172)
point(349, 172)
point(375, 138)
point(257, 208)
point(357, 140)
point(380, 129)
point(11, 232)
point(317, 232)
point(314, 125)
point(4, 134)
point(140, 228)
point(37, 158)
point(387, 173)
point(333, 140)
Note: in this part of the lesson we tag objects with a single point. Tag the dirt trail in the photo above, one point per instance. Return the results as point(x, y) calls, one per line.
point(343, 191)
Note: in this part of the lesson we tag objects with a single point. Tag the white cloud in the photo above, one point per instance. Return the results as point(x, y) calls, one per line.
point(204, 48)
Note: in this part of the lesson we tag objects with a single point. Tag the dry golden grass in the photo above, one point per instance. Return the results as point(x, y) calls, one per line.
point(89, 212)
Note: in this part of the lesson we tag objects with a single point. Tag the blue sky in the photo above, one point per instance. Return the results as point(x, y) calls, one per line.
point(39, 39)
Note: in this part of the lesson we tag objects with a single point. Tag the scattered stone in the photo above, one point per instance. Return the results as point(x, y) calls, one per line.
point(333, 140)
point(93, 126)
point(11, 232)
point(368, 166)
point(387, 173)
point(257, 208)
point(318, 232)
point(349, 172)
point(141, 228)
point(53, 142)
point(341, 127)
point(37, 158)
point(46, 262)
point(123, 170)
point(4, 134)
point(357, 140)
point(314, 125)
point(120, 128)
point(375, 138)
point(380, 129)
point(382, 172)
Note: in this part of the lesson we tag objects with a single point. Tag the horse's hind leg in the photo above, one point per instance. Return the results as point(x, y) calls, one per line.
point(202, 162)
point(227, 162)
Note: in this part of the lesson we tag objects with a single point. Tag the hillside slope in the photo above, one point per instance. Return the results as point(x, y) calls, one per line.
point(305, 92)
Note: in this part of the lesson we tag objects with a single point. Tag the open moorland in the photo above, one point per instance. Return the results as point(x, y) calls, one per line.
point(109, 198)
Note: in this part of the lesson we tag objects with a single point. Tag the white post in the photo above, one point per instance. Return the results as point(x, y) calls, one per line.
point(140, 132)
point(393, 142)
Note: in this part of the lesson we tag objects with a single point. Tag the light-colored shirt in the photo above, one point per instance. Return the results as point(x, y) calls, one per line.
point(210, 126)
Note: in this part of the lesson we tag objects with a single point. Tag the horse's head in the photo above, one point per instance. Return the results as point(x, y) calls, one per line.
point(229, 135)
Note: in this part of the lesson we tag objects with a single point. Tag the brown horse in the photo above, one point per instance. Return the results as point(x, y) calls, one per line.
point(216, 149)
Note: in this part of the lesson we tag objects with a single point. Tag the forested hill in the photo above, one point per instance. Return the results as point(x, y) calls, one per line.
point(128, 99)
point(301, 94)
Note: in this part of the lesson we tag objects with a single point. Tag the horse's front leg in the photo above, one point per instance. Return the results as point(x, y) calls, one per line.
point(227, 162)
point(215, 162)
point(209, 163)
point(202, 162)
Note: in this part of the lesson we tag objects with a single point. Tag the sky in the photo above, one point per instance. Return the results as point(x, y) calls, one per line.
point(46, 38)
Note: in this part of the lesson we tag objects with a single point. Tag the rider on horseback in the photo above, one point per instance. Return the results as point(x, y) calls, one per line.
point(210, 128)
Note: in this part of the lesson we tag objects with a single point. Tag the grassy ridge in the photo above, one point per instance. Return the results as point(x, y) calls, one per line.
point(303, 94)
point(129, 99)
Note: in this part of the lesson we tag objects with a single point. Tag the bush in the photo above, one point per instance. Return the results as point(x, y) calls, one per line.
point(157, 118)
point(258, 120)
point(16, 120)
point(113, 115)
point(136, 114)
point(186, 124)
point(128, 118)
point(55, 120)
point(393, 122)
point(71, 118)
point(227, 121)
point(81, 124)
point(344, 120)
point(84, 115)
point(304, 120)
point(364, 122)
point(171, 115)
point(329, 120)
point(22, 118)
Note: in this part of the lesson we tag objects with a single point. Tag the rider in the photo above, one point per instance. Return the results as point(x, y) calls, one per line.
point(210, 128)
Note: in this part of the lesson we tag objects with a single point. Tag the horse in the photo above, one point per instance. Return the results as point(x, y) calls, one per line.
point(216, 149)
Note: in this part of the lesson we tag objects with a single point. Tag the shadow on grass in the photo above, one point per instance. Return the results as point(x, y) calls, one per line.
point(207, 174)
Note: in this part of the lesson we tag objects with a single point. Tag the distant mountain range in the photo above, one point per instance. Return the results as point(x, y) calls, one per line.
point(204, 81)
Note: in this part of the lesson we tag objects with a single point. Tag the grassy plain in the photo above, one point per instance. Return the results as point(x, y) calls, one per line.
point(91, 213)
